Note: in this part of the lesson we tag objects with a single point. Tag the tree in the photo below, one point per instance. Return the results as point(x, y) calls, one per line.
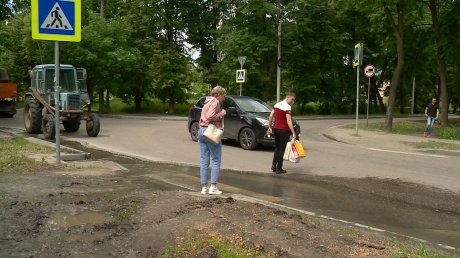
point(105, 52)
point(249, 29)
point(398, 29)
point(201, 21)
point(440, 53)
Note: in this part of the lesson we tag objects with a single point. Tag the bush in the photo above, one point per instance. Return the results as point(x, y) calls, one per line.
point(154, 106)
point(311, 108)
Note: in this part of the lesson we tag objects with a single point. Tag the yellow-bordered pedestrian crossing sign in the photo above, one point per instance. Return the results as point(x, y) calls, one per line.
point(58, 20)
point(241, 76)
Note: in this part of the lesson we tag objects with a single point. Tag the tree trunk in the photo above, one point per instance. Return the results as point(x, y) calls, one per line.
point(102, 8)
point(444, 98)
point(373, 98)
point(137, 102)
point(401, 98)
point(379, 84)
point(101, 100)
point(107, 102)
point(395, 79)
point(171, 106)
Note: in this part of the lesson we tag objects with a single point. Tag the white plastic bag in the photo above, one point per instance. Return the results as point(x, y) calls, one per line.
point(293, 156)
point(287, 151)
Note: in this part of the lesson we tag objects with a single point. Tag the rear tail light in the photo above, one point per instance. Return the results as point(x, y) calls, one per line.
point(191, 109)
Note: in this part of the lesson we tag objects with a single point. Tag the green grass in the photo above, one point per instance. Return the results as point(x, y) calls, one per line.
point(15, 163)
point(13, 155)
point(126, 213)
point(416, 127)
point(20, 145)
point(153, 106)
point(198, 245)
point(417, 251)
point(403, 127)
point(437, 145)
point(450, 133)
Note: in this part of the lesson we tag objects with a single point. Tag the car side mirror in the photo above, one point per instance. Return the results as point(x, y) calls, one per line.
point(232, 111)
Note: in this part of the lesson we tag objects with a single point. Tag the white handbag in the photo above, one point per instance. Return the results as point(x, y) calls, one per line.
point(212, 134)
point(287, 151)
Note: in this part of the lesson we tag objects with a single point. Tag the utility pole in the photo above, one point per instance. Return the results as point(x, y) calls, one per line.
point(413, 97)
point(278, 63)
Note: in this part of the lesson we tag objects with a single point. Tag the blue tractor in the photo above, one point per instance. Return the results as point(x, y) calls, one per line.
point(39, 106)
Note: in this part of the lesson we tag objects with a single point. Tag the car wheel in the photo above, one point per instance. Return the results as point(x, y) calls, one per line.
point(194, 131)
point(248, 139)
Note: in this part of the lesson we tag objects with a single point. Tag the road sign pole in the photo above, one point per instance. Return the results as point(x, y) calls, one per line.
point(413, 97)
point(278, 65)
point(241, 59)
point(368, 99)
point(369, 71)
point(241, 84)
point(56, 100)
point(357, 98)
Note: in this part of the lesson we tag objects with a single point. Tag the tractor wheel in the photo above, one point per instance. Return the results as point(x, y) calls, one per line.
point(48, 127)
point(71, 125)
point(248, 139)
point(32, 116)
point(93, 125)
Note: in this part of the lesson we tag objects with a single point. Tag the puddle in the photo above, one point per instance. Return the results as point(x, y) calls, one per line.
point(324, 197)
point(85, 218)
point(89, 237)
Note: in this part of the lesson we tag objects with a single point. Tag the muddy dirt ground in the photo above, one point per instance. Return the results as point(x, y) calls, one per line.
point(97, 209)
point(53, 214)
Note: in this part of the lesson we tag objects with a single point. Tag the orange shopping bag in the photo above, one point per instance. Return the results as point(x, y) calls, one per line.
point(299, 148)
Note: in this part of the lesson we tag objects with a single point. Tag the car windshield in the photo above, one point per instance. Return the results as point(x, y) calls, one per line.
point(253, 105)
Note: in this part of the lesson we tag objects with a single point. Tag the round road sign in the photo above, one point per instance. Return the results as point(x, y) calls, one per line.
point(369, 70)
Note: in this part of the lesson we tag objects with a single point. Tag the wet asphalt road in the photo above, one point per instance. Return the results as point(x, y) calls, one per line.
point(304, 187)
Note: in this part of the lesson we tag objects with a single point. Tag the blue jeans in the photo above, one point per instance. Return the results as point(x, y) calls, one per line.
point(429, 124)
point(209, 152)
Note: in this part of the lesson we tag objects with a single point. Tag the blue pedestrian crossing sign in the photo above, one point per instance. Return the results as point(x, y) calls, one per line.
point(241, 76)
point(58, 20)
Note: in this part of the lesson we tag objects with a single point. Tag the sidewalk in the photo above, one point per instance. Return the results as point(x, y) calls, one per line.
point(386, 141)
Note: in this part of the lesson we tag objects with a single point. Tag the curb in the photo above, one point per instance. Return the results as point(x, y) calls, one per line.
point(245, 198)
point(161, 118)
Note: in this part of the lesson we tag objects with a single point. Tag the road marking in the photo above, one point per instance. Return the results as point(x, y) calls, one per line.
point(409, 153)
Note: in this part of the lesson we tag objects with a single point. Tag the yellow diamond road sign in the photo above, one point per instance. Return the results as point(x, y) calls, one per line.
point(58, 20)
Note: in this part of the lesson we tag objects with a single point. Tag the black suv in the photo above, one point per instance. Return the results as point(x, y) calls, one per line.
point(246, 121)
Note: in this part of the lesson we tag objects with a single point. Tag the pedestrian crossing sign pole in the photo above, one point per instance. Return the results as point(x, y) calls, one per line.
point(357, 62)
point(58, 20)
point(241, 77)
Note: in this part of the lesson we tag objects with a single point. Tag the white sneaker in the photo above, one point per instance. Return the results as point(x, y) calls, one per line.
point(214, 190)
point(204, 189)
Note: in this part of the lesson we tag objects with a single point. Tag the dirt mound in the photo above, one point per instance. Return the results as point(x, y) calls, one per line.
point(57, 214)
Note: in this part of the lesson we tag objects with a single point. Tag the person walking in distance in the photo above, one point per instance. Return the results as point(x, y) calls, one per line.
point(212, 113)
point(431, 113)
point(280, 124)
